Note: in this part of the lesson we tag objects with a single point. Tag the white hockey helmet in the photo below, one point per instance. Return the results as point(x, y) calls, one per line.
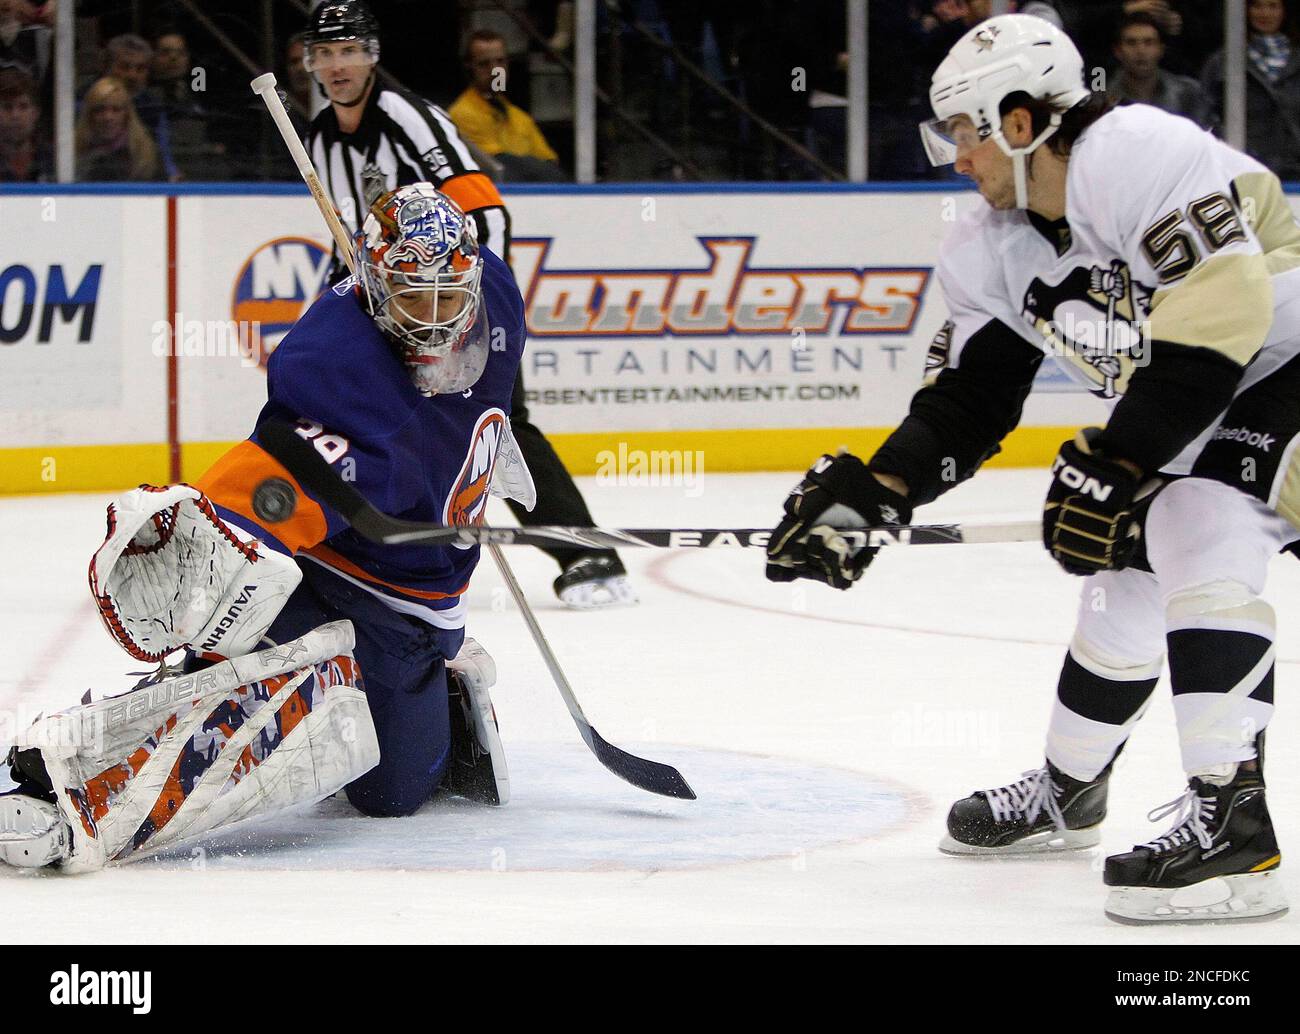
point(1011, 53)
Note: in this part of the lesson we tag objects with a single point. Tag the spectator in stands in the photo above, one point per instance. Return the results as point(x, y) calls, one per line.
point(1191, 29)
point(487, 119)
point(1139, 49)
point(1272, 86)
point(187, 117)
point(130, 59)
point(25, 43)
point(112, 142)
point(171, 68)
point(25, 155)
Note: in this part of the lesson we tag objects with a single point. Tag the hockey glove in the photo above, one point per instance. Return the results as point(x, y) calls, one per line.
point(837, 492)
point(1088, 519)
point(172, 574)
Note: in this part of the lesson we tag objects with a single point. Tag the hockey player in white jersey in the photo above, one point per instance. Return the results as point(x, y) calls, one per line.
point(1161, 269)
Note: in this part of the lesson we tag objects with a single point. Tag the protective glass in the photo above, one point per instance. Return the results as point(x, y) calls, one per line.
point(355, 53)
point(944, 138)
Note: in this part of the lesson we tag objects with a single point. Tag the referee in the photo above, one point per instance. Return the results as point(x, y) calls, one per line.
point(372, 139)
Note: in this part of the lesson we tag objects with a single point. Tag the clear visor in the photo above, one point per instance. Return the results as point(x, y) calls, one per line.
point(354, 53)
point(946, 139)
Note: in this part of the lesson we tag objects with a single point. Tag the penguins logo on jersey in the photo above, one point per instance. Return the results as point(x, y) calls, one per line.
point(1093, 320)
point(467, 501)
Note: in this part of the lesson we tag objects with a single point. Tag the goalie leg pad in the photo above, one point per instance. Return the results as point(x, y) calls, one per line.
point(171, 761)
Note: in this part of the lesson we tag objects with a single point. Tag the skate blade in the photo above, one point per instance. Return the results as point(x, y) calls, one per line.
point(32, 833)
point(488, 735)
point(1049, 841)
point(599, 594)
point(1249, 896)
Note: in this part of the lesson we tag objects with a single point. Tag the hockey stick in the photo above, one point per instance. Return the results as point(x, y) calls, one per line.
point(264, 87)
point(310, 468)
point(654, 776)
point(648, 775)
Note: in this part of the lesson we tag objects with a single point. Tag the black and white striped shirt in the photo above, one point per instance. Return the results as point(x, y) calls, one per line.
point(401, 139)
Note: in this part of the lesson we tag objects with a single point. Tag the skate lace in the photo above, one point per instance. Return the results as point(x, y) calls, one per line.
point(1033, 793)
point(1191, 814)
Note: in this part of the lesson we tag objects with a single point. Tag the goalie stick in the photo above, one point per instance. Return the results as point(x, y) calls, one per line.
point(310, 468)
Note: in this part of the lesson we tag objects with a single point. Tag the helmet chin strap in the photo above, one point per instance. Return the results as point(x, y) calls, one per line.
point(1019, 154)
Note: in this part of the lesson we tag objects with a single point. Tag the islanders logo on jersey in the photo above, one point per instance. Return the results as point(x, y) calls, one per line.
point(467, 501)
point(276, 284)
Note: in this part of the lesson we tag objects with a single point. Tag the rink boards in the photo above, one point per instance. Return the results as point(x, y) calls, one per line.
point(756, 325)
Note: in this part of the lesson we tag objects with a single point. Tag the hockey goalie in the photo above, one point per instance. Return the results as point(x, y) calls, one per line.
point(313, 661)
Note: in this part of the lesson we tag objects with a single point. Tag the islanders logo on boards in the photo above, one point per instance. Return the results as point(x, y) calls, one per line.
point(724, 292)
point(467, 501)
point(276, 284)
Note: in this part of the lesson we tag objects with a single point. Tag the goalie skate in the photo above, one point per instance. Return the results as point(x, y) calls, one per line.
point(1043, 812)
point(32, 832)
point(477, 769)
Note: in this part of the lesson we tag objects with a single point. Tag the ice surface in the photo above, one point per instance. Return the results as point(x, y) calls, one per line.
point(825, 732)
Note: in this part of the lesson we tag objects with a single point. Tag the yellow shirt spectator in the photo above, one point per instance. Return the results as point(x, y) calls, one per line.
point(499, 127)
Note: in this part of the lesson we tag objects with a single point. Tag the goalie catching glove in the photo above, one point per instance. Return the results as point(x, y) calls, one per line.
point(171, 574)
point(1089, 523)
point(837, 492)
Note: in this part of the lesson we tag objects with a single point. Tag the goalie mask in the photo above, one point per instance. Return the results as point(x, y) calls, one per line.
point(420, 272)
point(1011, 53)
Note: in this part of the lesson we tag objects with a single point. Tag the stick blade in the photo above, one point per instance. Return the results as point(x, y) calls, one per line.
point(640, 772)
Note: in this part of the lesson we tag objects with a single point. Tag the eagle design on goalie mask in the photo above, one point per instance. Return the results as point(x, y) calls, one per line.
point(1093, 320)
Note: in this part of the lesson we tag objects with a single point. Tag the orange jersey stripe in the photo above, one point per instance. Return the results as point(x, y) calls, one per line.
point(328, 556)
point(231, 481)
point(472, 191)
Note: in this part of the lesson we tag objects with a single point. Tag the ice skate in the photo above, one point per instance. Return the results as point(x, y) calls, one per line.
point(593, 582)
point(1044, 811)
point(1218, 862)
point(32, 832)
point(477, 769)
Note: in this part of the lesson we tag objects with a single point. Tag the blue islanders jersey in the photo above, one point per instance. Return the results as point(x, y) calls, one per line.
point(339, 379)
